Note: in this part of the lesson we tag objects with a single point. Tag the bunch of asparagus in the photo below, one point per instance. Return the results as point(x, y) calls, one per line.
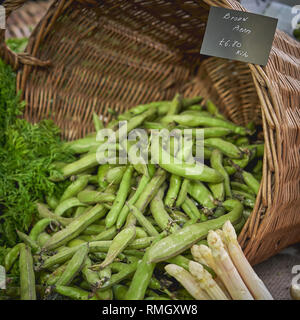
point(234, 277)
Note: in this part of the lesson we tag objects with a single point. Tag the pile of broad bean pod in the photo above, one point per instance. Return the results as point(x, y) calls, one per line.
point(116, 226)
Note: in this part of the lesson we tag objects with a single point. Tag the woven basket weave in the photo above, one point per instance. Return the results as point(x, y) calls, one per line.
point(87, 56)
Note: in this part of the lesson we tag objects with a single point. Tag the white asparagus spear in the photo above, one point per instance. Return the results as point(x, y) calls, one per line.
point(187, 281)
point(252, 281)
point(197, 254)
point(222, 236)
point(206, 281)
point(203, 255)
point(226, 270)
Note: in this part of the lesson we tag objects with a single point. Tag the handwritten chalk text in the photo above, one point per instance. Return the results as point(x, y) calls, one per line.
point(238, 28)
point(228, 16)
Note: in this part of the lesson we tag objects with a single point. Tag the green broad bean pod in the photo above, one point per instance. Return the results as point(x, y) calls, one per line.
point(160, 215)
point(141, 278)
point(227, 148)
point(78, 185)
point(183, 239)
point(93, 230)
point(216, 162)
point(120, 199)
point(52, 202)
point(73, 292)
point(79, 166)
point(43, 238)
point(143, 221)
point(39, 227)
point(176, 105)
point(12, 256)
point(212, 109)
point(135, 122)
point(68, 204)
point(251, 182)
point(119, 243)
point(174, 188)
point(193, 208)
point(102, 170)
point(28, 241)
point(201, 194)
point(179, 217)
point(258, 147)
point(98, 124)
point(124, 272)
point(204, 121)
point(140, 233)
point(218, 190)
point(151, 190)
point(132, 200)
point(27, 277)
point(120, 291)
point(92, 197)
point(75, 227)
point(183, 192)
point(185, 170)
point(56, 274)
point(74, 266)
point(241, 187)
point(188, 102)
point(82, 145)
point(106, 234)
point(114, 175)
point(90, 276)
point(44, 212)
point(196, 107)
point(180, 261)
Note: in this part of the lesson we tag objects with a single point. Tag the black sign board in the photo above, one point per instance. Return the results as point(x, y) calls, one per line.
point(238, 35)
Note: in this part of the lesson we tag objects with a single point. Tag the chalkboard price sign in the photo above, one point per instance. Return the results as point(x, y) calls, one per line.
point(238, 35)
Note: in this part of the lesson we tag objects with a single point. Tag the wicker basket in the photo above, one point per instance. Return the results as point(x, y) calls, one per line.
point(90, 55)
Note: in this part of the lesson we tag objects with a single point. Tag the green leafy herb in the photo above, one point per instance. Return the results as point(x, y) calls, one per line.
point(27, 155)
